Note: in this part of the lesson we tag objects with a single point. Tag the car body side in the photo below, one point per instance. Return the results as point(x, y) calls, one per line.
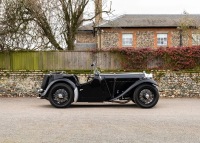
point(101, 87)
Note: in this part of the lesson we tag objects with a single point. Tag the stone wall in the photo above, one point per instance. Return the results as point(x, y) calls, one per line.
point(145, 39)
point(19, 84)
point(171, 84)
point(86, 37)
point(23, 84)
point(110, 40)
point(178, 84)
point(176, 39)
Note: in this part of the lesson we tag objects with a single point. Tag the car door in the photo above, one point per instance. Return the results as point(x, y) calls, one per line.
point(93, 91)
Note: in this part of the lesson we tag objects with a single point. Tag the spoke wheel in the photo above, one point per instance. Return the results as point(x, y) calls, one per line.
point(61, 95)
point(146, 96)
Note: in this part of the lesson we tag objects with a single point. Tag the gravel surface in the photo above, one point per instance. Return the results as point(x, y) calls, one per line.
point(31, 120)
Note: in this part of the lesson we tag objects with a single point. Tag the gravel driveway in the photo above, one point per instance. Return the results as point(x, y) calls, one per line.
point(31, 120)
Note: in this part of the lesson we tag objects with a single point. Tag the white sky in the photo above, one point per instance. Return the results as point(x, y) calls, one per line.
point(155, 6)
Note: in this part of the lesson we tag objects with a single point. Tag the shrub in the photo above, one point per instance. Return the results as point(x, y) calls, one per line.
point(173, 58)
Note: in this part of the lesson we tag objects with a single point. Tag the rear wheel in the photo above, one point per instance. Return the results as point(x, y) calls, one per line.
point(61, 95)
point(146, 96)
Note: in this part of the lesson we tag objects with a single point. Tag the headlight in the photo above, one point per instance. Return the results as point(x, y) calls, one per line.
point(148, 75)
point(40, 90)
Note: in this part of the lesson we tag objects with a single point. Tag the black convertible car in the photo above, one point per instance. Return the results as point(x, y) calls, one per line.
point(63, 89)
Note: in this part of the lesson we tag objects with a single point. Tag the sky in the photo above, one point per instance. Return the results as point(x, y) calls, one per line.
point(155, 6)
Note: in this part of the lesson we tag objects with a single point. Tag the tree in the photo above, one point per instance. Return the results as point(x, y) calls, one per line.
point(53, 23)
point(12, 24)
point(18, 29)
point(186, 24)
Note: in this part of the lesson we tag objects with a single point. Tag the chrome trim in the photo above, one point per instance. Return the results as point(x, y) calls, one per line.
point(76, 94)
point(40, 90)
point(127, 73)
point(148, 75)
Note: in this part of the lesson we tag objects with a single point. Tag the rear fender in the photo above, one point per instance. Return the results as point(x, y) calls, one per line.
point(67, 81)
point(148, 81)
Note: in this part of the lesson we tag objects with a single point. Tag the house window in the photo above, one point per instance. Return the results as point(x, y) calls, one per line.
point(161, 39)
point(195, 39)
point(127, 40)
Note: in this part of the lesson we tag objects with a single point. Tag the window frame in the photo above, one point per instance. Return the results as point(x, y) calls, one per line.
point(127, 41)
point(196, 39)
point(161, 42)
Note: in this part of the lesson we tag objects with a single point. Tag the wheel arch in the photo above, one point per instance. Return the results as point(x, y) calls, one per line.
point(151, 82)
point(65, 81)
point(134, 86)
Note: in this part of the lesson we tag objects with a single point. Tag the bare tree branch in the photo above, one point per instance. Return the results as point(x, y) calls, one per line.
point(49, 23)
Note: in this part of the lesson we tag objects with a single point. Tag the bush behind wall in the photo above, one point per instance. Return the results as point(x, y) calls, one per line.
point(180, 58)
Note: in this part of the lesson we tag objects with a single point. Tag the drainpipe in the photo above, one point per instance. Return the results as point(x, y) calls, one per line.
point(181, 37)
point(97, 34)
point(100, 39)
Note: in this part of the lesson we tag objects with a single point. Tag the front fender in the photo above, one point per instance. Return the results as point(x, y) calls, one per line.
point(150, 81)
point(63, 81)
point(139, 82)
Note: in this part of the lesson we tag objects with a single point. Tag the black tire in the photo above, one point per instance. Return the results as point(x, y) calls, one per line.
point(146, 96)
point(61, 95)
point(133, 100)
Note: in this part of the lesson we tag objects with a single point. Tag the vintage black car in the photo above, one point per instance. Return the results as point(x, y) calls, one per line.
point(64, 89)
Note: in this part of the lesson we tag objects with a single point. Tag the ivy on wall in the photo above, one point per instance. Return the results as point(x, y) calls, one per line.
point(180, 58)
point(173, 58)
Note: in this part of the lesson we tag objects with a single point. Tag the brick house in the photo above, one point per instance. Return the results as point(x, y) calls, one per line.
point(86, 38)
point(142, 31)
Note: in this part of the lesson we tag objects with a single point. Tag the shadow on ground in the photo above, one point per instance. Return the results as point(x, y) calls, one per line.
point(88, 105)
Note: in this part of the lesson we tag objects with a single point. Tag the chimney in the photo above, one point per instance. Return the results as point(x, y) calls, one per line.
point(98, 9)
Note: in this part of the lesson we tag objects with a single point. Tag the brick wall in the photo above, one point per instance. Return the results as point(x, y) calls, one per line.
point(142, 37)
point(85, 37)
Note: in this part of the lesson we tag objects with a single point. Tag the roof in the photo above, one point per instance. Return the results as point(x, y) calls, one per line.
point(87, 27)
point(155, 20)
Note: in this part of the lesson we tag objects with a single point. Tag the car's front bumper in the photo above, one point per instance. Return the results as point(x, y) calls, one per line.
point(40, 94)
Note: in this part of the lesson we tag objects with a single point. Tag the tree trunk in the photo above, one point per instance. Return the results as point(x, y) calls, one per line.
point(70, 41)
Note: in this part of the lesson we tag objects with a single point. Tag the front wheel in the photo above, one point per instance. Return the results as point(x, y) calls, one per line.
point(61, 95)
point(146, 96)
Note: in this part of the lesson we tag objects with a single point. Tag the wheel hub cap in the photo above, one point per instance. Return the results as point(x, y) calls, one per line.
point(147, 96)
point(60, 96)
